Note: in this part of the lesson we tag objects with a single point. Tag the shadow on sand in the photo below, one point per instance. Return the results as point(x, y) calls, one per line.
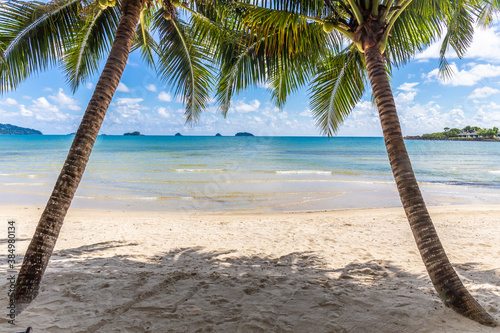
point(191, 290)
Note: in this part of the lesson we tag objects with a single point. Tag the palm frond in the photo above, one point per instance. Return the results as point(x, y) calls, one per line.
point(337, 87)
point(91, 44)
point(304, 7)
point(240, 69)
point(418, 26)
point(184, 64)
point(282, 30)
point(459, 35)
point(32, 36)
point(273, 46)
point(143, 39)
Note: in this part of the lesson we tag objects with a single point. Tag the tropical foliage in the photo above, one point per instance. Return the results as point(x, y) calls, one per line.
point(335, 47)
point(78, 35)
point(320, 45)
point(450, 133)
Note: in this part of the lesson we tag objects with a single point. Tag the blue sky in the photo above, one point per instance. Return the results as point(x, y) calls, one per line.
point(142, 103)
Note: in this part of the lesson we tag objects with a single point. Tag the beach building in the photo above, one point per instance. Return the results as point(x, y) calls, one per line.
point(468, 135)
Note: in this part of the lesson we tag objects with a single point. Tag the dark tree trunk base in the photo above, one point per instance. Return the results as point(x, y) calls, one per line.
point(444, 278)
point(43, 242)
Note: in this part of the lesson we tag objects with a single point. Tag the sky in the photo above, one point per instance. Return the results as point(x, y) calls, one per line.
point(142, 103)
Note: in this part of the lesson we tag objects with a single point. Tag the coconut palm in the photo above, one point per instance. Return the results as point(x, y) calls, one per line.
point(78, 34)
point(334, 46)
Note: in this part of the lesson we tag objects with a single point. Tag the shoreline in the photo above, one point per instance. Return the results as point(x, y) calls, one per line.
point(417, 137)
point(279, 196)
point(341, 270)
point(80, 210)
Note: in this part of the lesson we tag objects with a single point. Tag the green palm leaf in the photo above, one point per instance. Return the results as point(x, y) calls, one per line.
point(32, 35)
point(241, 69)
point(92, 43)
point(337, 87)
point(184, 64)
point(144, 41)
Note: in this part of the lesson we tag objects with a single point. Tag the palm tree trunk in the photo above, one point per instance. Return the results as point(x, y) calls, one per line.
point(443, 276)
point(43, 242)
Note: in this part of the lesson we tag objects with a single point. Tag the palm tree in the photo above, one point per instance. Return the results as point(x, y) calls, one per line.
point(34, 36)
point(334, 46)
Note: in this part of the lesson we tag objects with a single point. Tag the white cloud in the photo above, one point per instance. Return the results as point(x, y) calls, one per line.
point(24, 112)
point(483, 92)
point(487, 116)
point(408, 86)
point(363, 121)
point(42, 104)
point(466, 77)
point(47, 89)
point(242, 107)
point(64, 101)
point(9, 101)
point(485, 46)
point(164, 97)
point(151, 87)
point(283, 115)
point(122, 88)
point(264, 85)
point(4, 113)
point(306, 113)
point(129, 107)
point(417, 119)
point(128, 101)
point(405, 98)
point(89, 85)
point(163, 112)
point(43, 110)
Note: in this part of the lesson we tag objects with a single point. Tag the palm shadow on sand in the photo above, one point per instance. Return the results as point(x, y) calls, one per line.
point(191, 290)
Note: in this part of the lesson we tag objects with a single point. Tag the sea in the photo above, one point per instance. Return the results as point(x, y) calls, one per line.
point(246, 174)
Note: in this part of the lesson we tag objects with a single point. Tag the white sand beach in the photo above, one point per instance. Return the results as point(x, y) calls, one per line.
point(334, 271)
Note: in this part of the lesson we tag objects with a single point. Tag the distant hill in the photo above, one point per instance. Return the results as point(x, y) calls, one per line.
point(218, 134)
point(178, 134)
point(8, 129)
point(244, 134)
point(136, 133)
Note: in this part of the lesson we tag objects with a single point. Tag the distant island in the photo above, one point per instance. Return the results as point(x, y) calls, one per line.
point(468, 133)
point(243, 134)
point(8, 129)
point(136, 133)
point(218, 134)
point(178, 134)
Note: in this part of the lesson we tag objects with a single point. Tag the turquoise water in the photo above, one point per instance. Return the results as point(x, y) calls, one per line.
point(245, 173)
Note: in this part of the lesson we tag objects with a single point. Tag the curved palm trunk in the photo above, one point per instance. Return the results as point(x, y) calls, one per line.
point(43, 242)
point(443, 276)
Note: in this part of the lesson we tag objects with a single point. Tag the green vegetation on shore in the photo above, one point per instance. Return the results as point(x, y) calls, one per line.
point(8, 129)
point(466, 132)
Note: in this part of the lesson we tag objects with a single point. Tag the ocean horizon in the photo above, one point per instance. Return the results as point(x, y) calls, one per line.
point(242, 174)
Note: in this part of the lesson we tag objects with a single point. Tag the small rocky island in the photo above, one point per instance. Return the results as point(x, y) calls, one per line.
point(243, 134)
point(468, 133)
point(178, 134)
point(8, 129)
point(218, 134)
point(136, 133)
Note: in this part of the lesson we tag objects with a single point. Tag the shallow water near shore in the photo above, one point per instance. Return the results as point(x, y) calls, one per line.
point(247, 173)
